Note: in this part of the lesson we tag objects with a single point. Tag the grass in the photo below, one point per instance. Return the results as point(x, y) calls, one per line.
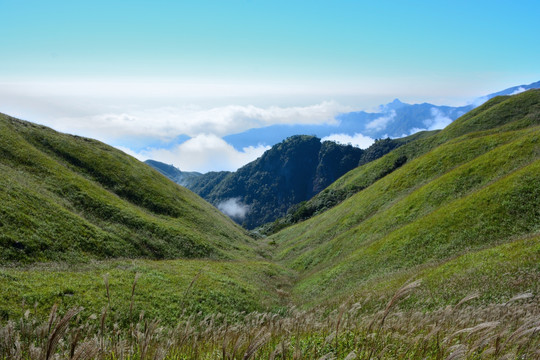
point(497, 331)
point(473, 192)
point(73, 199)
point(448, 173)
point(164, 289)
point(496, 116)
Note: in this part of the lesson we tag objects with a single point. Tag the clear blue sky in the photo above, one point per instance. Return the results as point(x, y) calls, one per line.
point(340, 41)
point(142, 74)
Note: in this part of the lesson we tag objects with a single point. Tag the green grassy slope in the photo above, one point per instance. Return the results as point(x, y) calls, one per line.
point(485, 117)
point(69, 198)
point(373, 168)
point(164, 288)
point(467, 189)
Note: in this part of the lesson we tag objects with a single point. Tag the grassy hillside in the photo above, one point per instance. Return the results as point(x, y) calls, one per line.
point(470, 188)
point(69, 198)
point(489, 116)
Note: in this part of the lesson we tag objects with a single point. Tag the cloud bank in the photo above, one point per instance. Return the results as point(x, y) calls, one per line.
point(153, 133)
point(166, 123)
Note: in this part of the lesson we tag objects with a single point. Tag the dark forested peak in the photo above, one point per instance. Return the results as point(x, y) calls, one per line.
point(290, 172)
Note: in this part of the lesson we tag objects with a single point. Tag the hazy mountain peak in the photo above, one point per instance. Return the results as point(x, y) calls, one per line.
point(393, 105)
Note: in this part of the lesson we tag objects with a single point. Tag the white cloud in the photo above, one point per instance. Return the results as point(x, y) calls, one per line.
point(479, 101)
point(233, 208)
point(519, 90)
point(413, 131)
point(357, 140)
point(439, 120)
point(381, 122)
point(165, 123)
point(203, 153)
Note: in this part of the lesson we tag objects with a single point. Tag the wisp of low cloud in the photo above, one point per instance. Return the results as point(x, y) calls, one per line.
point(381, 122)
point(358, 140)
point(439, 121)
point(234, 208)
point(519, 90)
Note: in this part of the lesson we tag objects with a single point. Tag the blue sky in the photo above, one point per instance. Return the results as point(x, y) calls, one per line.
point(94, 67)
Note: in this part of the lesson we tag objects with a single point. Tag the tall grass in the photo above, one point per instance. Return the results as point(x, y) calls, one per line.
point(498, 331)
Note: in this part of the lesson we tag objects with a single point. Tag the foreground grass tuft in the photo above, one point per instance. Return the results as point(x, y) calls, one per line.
point(497, 331)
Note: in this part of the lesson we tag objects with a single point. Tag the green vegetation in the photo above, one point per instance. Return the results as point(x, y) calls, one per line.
point(69, 198)
point(290, 172)
point(164, 289)
point(489, 117)
point(373, 166)
point(457, 331)
point(430, 251)
point(474, 191)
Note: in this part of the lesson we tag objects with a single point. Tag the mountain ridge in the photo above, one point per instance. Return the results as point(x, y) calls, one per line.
point(409, 118)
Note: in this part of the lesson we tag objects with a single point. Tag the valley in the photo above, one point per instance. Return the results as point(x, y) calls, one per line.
point(427, 248)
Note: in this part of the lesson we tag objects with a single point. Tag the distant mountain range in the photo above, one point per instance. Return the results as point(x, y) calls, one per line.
point(295, 170)
point(395, 119)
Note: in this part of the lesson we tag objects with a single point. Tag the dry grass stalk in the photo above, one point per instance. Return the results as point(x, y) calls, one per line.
point(403, 291)
point(457, 352)
point(87, 350)
point(57, 333)
point(474, 329)
point(520, 297)
point(186, 292)
point(258, 341)
point(467, 298)
point(494, 331)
